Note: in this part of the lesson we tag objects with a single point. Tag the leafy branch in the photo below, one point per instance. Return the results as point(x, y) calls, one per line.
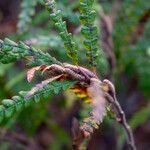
point(9, 106)
point(89, 30)
point(56, 17)
point(11, 51)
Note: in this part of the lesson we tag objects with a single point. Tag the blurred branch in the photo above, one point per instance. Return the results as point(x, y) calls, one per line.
point(139, 29)
point(107, 42)
point(115, 9)
point(25, 16)
point(138, 119)
point(22, 139)
point(107, 22)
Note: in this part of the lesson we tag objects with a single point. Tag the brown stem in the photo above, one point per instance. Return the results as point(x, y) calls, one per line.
point(122, 120)
point(139, 29)
point(26, 142)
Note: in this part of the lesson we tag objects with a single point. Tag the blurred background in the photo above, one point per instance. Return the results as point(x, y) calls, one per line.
point(124, 33)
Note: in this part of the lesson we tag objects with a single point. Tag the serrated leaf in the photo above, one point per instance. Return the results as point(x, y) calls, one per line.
point(89, 32)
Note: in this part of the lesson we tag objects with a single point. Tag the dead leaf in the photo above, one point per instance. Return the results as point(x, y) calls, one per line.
point(31, 72)
point(40, 86)
point(98, 100)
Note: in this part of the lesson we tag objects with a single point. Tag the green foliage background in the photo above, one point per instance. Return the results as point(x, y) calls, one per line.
point(131, 74)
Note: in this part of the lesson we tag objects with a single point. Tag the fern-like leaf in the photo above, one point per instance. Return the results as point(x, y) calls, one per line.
point(9, 106)
point(89, 30)
point(11, 51)
point(56, 17)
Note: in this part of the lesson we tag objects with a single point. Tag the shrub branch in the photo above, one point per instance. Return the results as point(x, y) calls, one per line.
point(11, 51)
point(89, 30)
point(9, 107)
point(56, 17)
point(121, 118)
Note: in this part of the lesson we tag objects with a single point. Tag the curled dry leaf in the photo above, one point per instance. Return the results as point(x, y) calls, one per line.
point(93, 95)
point(40, 86)
point(98, 104)
point(108, 87)
point(90, 90)
point(98, 100)
point(31, 72)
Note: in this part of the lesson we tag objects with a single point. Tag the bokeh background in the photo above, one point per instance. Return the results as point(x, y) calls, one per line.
point(124, 35)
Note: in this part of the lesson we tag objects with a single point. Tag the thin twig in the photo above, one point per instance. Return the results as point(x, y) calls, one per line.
point(122, 120)
point(26, 142)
